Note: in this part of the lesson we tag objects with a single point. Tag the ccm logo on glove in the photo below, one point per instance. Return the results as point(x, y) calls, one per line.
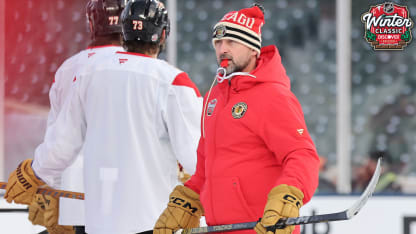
point(292, 199)
point(21, 178)
point(181, 202)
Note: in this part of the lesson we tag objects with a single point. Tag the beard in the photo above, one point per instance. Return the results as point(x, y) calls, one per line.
point(233, 65)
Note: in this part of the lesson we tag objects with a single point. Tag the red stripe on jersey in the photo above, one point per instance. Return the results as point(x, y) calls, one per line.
point(182, 79)
point(95, 47)
point(132, 53)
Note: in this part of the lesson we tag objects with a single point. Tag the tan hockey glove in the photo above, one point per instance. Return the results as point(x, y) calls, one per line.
point(283, 201)
point(22, 184)
point(184, 211)
point(59, 229)
point(44, 210)
point(37, 210)
point(183, 177)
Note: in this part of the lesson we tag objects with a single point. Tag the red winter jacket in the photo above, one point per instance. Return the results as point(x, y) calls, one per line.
point(241, 159)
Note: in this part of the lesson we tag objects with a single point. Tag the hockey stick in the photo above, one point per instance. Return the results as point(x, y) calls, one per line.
point(53, 192)
point(282, 223)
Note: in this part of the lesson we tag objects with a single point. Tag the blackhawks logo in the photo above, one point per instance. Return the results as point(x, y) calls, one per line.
point(239, 110)
point(387, 26)
point(219, 31)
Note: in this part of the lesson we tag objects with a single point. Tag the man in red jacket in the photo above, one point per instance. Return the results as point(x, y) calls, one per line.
point(255, 157)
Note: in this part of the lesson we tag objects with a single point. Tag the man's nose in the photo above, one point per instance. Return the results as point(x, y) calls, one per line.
point(223, 48)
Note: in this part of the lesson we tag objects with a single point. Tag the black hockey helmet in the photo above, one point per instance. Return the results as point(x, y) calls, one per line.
point(103, 16)
point(144, 20)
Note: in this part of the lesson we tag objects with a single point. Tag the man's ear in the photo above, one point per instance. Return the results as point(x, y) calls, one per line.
point(254, 53)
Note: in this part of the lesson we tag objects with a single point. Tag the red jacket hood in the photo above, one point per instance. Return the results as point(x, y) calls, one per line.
point(269, 69)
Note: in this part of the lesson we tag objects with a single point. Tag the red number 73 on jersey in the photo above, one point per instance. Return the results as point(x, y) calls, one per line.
point(137, 25)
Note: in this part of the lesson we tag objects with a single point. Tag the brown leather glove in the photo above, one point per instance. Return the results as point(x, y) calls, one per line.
point(37, 210)
point(22, 184)
point(59, 229)
point(184, 211)
point(283, 201)
point(44, 210)
point(183, 177)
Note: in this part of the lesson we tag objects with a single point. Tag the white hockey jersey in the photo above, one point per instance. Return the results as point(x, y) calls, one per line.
point(134, 117)
point(71, 212)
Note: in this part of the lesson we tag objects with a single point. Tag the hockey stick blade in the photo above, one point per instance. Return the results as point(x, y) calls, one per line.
point(339, 216)
point(53, 192)
point(354, 209)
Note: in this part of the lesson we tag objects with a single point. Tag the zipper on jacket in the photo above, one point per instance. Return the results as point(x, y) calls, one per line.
point(227, 96)
point(214, 153)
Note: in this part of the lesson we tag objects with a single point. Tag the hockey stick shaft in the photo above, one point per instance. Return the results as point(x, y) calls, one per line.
point(282, 223)
point(53, 192)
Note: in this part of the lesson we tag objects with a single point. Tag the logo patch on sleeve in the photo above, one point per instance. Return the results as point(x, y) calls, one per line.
point(122, 60)
point(239, 110)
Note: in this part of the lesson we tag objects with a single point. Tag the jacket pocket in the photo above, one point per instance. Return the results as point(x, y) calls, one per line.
point(229, 204)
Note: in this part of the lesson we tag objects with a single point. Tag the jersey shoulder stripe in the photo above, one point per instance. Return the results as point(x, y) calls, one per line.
point(182, 79)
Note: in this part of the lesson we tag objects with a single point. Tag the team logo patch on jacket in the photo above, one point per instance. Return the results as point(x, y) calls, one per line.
point(239, 110)
point(211, 106)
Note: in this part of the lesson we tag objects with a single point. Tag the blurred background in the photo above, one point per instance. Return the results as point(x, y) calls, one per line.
point(40, 35)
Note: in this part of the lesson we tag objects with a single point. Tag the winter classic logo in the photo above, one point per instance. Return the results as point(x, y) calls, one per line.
point(387, 26)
